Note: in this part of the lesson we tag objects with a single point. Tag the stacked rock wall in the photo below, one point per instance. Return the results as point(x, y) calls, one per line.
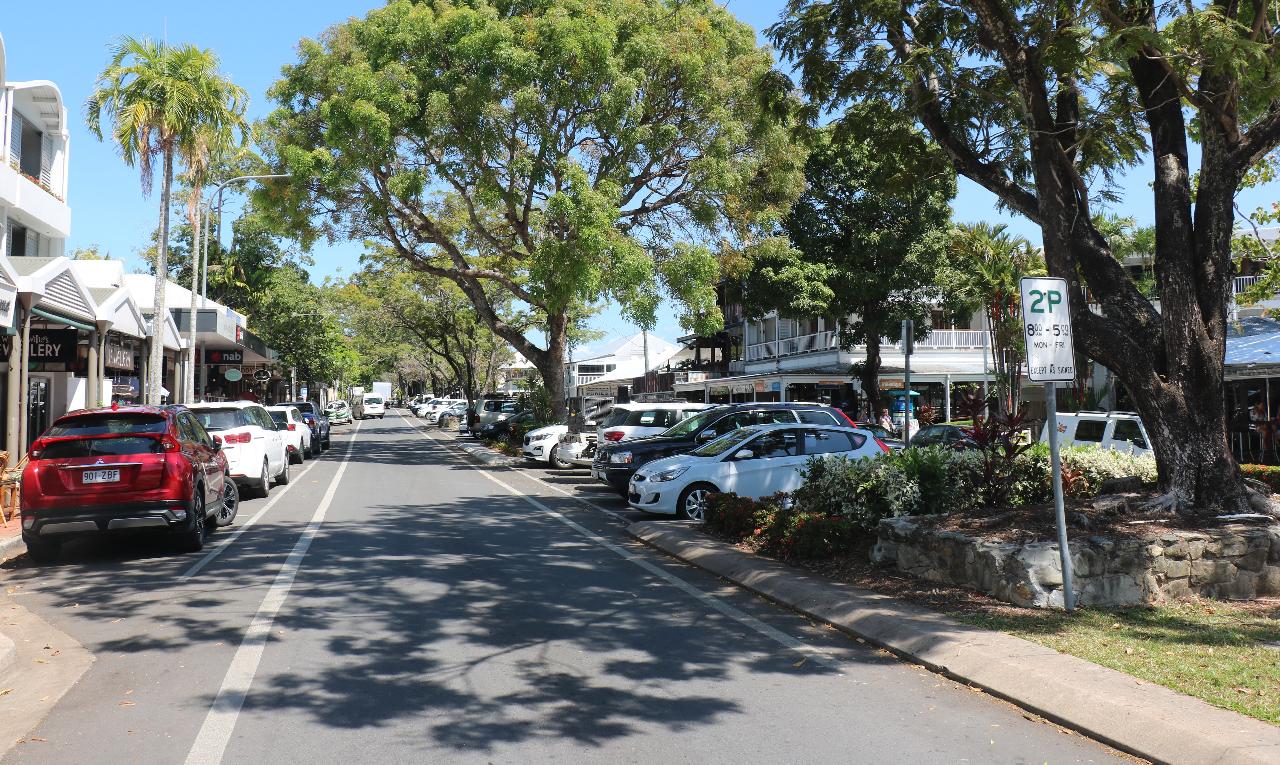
point(1229, 562)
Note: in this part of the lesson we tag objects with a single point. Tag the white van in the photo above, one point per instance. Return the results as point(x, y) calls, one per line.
point(374, 406)
point(1122, 431)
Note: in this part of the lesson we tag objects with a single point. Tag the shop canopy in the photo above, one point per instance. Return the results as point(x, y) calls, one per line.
point(1253, 346)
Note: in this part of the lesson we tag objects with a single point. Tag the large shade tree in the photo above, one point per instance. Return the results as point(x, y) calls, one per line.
point(169, 103)
point(1043, 104)
point(557, 154)
point(869, 238)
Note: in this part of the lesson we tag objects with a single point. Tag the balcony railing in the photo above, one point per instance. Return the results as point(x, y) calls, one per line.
point(944, 339)
point(1242, 283)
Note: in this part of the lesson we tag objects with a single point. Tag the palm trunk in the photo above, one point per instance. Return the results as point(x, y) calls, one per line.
point(190, 381)
point(155, 371)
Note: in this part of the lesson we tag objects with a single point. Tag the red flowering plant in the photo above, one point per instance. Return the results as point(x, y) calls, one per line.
point(999, 439)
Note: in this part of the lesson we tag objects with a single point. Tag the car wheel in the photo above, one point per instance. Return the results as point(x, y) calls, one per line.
point(308, 452)
point(264, 481)
point(41, 550)
point(283, 479)
point(692, 505)
point(191, 539)
point(553, 457)
point(231, 501)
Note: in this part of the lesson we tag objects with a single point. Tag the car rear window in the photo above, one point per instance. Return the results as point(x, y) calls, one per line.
point(831, 441)
point(101, 447)
point(222, 419)
point(108, 424)
point(281, 418)
point(645, 418)
point(373, 399)
point(818, 417)
point(305, 406)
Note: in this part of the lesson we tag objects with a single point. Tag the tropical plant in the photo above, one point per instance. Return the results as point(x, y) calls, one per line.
point(554, 155)
point(1046, 105)
point(986, 265)
point(168, 103)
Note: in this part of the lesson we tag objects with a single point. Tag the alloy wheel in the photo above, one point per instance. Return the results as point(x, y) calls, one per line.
point(695, 504)
point(230, 502)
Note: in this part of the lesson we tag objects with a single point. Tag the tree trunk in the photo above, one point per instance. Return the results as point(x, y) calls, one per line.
point(189, 382)
point(155, 370)
point(551, 365)
point(870, 377)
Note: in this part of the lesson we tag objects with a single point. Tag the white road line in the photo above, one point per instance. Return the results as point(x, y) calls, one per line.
point(706, 598)
point(211, 742)
point(242, 528)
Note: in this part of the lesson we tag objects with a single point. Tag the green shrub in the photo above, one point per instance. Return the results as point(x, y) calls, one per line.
point(731, 515)
point(860, 491)
point(1268, 474)
point(1097, 465)
point(811, 536)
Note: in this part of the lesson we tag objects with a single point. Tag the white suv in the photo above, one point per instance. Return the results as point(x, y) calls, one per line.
point(294, 430)
point(1122, 431)
point(255, 448)
point(636, 420)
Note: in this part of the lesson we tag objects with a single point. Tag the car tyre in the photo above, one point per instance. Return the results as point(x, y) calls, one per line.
point(283, 479)
point(41, 551)
point(191, 539)
point(692, 504)
point(263, 487)
point(553, 457)
point(231, 500)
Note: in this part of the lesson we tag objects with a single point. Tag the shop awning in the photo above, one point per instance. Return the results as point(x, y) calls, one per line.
point(51, 316)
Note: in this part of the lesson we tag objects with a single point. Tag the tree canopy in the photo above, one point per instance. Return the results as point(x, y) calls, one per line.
point(557, 154)
point(1044, 104)
point(869, 235)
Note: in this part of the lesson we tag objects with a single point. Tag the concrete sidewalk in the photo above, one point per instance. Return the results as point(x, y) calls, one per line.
point(1132, 715)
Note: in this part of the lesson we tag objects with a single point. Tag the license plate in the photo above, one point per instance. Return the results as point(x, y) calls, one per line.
point(100, 476)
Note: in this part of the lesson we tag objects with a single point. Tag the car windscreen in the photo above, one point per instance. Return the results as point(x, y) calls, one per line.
point(221, 419)
point(692, 425)
point(108, 424)
point(724, 443)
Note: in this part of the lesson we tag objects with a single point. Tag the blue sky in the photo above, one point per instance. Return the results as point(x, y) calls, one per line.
point(254, 39)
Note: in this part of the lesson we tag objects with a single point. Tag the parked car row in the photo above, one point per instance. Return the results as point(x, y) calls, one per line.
point(180, 470)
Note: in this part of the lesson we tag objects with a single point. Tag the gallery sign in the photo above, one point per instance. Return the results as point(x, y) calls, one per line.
point(223, 357)
point(8, 299)
point(53, 346)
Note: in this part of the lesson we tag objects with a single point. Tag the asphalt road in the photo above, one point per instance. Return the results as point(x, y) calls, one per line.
point(399, 604)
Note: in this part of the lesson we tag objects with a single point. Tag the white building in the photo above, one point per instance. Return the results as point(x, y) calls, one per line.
point(801, 360)
point(34, 149)
point(618, 361)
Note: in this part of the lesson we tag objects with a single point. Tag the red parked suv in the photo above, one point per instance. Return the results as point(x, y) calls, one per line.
point(123, 469)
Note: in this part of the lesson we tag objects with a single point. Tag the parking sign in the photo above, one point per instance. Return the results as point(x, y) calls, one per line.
point(1046, 322)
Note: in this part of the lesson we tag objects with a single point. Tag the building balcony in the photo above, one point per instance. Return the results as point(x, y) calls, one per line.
point(32, 205)
point(939, 339)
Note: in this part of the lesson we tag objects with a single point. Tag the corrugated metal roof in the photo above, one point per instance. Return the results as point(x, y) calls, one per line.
point(101, 294)
point(25, 266)
point(1252, 341)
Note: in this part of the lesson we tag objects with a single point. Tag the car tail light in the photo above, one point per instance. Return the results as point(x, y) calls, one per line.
point(613, 435)
point(36, 448)
point(170, 444)
point(217, 439)
point(237, 438)
point(293, 426)
point(883, 446)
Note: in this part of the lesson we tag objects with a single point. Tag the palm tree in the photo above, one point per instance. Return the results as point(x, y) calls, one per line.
point(171, 103)
point(989, 262)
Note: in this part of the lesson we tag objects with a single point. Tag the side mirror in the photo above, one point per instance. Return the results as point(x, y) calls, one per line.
point(217, 443)
point(744, 454)
point(705, 435)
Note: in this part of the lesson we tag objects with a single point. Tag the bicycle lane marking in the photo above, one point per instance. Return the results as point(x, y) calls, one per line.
point(214, 735)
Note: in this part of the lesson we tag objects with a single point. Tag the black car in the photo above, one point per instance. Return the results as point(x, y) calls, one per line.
point(616, 462)
point(317, 419)
point(502, 428)
point(952, 436)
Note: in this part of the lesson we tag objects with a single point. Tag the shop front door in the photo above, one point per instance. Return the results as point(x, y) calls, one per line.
point(37, 408)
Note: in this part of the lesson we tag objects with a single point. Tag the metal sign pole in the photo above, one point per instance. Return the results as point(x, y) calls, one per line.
point(1055, 463)
point(908, 345)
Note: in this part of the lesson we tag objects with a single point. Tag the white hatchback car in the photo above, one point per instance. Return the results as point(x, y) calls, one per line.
point(628, 421)
point(256, 452)
point(433, 410)
point(755, 461)
point(543, 445)
point(297, 436)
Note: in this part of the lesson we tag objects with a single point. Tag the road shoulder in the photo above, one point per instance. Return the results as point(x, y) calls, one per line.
point(46, 663)
point(1132, 715)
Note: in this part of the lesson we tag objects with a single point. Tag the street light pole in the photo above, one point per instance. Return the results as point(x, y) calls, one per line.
point(200, 268)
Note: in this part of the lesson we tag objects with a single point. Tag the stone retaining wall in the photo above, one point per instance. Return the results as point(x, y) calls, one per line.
point(1233, 561)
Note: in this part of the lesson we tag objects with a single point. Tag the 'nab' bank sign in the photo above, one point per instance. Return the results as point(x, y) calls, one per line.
point(223, 357)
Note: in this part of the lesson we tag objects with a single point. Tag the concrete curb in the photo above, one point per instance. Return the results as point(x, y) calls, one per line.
point(1132, 715)
point(483, 453)
point(12, 547)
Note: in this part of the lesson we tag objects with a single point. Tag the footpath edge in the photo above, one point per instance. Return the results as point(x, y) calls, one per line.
point(1142, 718)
